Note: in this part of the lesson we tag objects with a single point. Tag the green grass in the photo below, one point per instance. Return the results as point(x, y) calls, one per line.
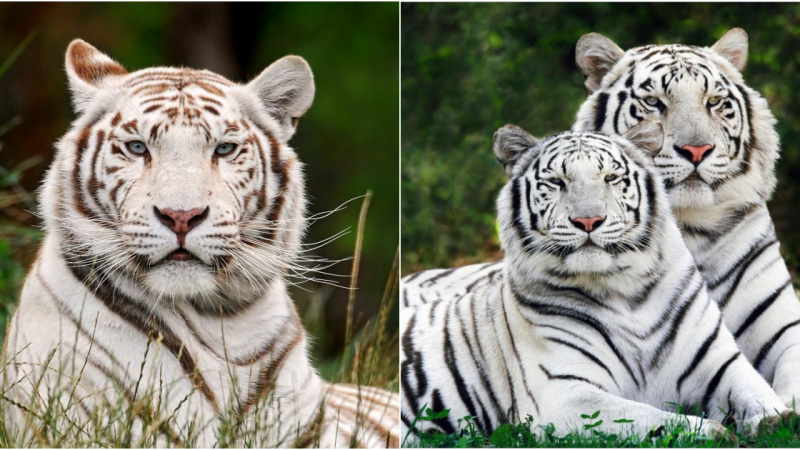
point(527, 434)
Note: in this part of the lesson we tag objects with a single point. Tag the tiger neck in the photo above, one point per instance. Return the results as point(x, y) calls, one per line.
point(715, 221)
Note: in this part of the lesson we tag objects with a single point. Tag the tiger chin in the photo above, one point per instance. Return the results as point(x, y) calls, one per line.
point(173, 209)
point(555, 342)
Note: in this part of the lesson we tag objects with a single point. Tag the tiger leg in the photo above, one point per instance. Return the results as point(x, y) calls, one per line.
point(727, 387)
point(770, 337)
point(575, 399)
point(786, 380)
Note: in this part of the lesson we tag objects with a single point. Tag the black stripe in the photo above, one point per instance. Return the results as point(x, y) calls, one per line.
point(682, 287)
point(752, 142)
point(621, 99)
point(488, 276)
point(582, 296)
point(516, 353)
point(432, 280)
point(714, 383)
point(438, 406)
point(408, 423)
point(762, 354)
point(563, 330)
point(487, 385)
point(414, 276)
point(452, 366)
point(413, 361)
point(674, 326)
point(600, 111)
point(760, 309)
point(517, 218)
point(742, 267)
point(643, 295)
point(569, 378)
point(699, 355)
point(586, 354)
point(487, 421)
point(505, 365)
point(741, 264)
point(533, 219)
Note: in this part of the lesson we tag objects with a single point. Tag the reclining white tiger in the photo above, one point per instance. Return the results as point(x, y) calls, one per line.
point(600, 306)
point(173, 208)
point(718, 165)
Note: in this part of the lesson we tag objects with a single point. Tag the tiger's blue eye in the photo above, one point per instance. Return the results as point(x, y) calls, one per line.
point(713, 101)
point(224, 149)
point(136, 147)
point(610, 177)
point(652, 101)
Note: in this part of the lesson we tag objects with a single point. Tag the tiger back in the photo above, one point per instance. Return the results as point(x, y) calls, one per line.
point(174, 211)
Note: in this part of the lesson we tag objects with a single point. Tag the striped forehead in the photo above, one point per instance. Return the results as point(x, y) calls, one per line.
point(679, 54)
point(179, 97)
point(667, 63)
point(186, 88)
point(576, 152)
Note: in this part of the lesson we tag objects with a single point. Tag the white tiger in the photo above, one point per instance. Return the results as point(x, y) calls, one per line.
point(173, 209)
point(718, 165)
point(600, 306)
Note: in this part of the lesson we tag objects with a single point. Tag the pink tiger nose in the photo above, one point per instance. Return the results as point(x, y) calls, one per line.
point(695, 153)
point(588, 223)
point(181, 222)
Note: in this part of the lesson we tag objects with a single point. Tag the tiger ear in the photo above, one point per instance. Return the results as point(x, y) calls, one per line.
point(647, 135)
point(596, 54)
point(88, 70)
point(511, 142)
point(733, 46)
point(286, 89)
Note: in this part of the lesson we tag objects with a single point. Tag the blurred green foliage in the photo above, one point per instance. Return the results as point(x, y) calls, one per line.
point(348, 140)
point(468, 69)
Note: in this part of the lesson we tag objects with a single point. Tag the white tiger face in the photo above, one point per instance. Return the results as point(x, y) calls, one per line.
point(583, 198)
point(179, 181)
point(709, 153)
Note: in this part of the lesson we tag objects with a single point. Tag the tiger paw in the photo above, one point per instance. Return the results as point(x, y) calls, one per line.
point(771, 424)
point(724, 436)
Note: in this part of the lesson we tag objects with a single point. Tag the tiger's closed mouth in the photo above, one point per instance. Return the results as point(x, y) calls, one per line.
point(693, 177)
point(181, 254)
point(591, 246)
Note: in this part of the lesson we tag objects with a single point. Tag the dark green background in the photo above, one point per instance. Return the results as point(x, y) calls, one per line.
point(348, 140)
point(468, 69)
